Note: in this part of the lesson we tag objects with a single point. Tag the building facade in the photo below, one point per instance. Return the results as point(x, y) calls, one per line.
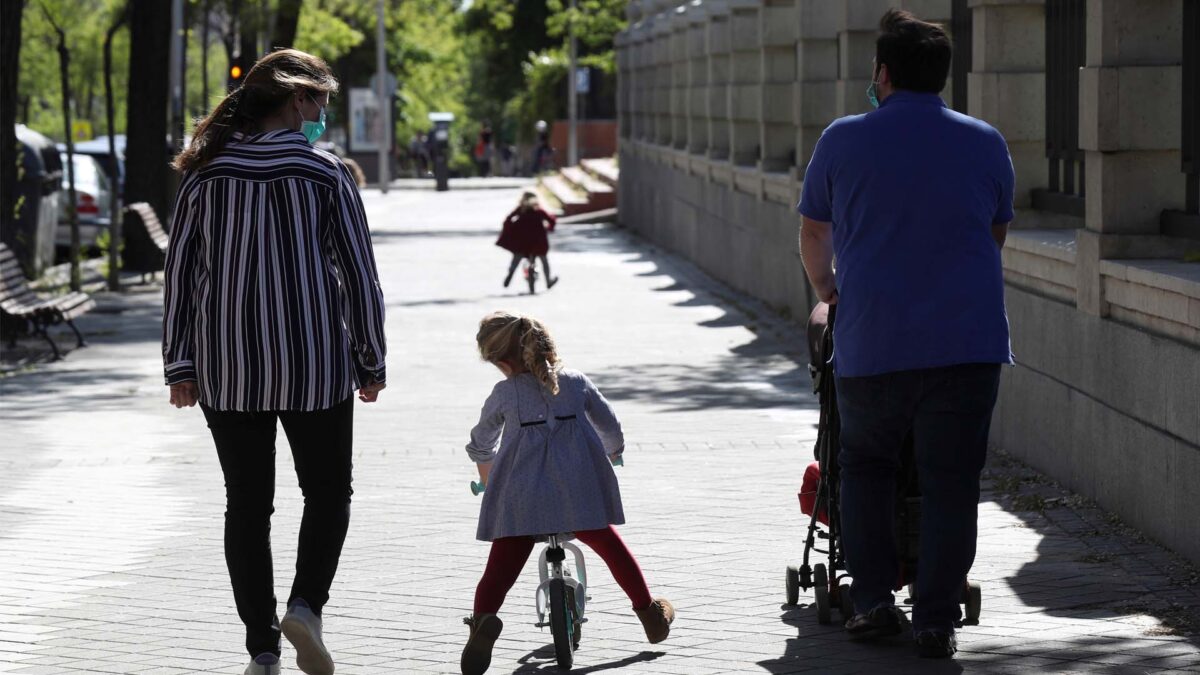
point(720, 103)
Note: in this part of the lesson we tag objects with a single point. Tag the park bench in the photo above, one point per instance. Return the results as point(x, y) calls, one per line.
point(153, 226)
point(38, 312)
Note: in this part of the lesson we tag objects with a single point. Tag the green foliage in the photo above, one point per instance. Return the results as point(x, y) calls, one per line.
point(323, 33)
point(85, 23)
point(544, 76)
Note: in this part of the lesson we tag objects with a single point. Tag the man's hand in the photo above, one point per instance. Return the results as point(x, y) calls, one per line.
point(370, 391)
point(184, 394)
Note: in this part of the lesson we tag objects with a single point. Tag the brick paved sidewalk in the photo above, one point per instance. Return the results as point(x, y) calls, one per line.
point(111, 502)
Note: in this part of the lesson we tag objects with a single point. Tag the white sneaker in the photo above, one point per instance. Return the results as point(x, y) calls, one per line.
point(303, 629)
point(263, 664)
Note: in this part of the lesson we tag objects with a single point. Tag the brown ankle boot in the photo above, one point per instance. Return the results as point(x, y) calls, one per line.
point(656, 619)
point(477, 655)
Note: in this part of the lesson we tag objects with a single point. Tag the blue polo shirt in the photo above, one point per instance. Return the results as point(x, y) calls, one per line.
point(912, 190)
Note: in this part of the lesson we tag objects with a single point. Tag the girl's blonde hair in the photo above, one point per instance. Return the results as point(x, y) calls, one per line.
point(504, 336)
point(269, 85)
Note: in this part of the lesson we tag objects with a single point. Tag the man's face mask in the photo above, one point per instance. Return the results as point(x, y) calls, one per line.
point(873, 90)
point(313, 130)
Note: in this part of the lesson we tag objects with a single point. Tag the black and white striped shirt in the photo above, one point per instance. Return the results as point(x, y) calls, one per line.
point(272, 299)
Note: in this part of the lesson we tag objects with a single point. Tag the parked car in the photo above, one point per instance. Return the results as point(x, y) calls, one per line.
point(32, 235)
point(93, 192)
point(98, 148)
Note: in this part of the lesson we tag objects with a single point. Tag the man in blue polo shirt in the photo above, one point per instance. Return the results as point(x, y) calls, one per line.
point(913, 202)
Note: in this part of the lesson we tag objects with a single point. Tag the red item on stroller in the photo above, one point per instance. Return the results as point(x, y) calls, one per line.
point(808, 492)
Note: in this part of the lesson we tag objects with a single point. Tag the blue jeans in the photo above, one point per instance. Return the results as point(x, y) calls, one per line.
point(948, 412)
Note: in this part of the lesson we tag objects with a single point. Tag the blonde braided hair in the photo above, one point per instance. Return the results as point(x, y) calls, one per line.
point(504, 336)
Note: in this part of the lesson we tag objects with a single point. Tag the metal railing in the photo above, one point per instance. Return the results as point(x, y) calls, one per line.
point(1066, 27)
point(961, 26)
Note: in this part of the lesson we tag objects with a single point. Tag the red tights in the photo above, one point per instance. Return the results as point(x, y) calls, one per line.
point(509, 554)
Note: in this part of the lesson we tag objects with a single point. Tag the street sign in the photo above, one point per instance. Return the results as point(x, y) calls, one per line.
point(389, 84)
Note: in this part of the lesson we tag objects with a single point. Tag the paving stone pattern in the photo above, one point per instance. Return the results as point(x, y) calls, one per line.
point(111, 501)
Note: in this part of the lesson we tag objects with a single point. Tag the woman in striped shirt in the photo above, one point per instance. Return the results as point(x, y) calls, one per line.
point(273, 311)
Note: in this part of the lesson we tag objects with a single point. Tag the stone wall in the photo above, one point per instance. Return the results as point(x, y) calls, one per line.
point(720, 105)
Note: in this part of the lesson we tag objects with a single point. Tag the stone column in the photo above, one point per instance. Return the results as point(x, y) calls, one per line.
point(745, 82)
point(697, 16)
point(856, 52)
point(1130, 95)
point(817, 72)
point(718, 79)
point(680, 77)
point(1007, 87)
point(661, 94)
point(777, 131)
point(623, 55)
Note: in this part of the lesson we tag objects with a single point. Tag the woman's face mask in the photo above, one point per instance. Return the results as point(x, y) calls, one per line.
point(313, 130)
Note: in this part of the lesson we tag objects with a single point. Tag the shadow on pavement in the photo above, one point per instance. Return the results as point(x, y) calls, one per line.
point(542, 660)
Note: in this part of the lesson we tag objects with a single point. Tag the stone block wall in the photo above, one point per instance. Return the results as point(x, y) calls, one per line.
point(722, 102)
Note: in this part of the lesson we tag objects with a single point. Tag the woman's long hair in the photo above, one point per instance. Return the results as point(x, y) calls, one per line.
point(268, 86)
point(519, 339)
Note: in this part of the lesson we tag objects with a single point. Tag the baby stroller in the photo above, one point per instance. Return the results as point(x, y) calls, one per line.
point(819, 500)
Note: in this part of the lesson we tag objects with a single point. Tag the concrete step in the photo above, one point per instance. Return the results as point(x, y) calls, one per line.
point(570, 200)
point(603, 168)
point(584, 181)
point(600, 195)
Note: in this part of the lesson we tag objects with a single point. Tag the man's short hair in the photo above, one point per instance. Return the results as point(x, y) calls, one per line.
point(917, 53)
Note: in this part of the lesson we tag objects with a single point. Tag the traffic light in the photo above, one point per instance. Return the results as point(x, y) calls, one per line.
point(237, 73)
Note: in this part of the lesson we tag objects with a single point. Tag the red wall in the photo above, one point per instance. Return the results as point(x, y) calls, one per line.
point(597, 138)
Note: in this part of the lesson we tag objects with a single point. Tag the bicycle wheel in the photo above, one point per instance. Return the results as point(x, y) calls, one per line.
point(531, 276)
point(562, 624)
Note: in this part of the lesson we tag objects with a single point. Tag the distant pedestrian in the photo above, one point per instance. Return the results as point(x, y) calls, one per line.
point(524, 235)
point(273, 312)
point(913, 200)
point(483, 151)
point(543, 448)
point(543, 152)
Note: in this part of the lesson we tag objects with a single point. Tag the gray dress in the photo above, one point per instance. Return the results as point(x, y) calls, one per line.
point(551, 473)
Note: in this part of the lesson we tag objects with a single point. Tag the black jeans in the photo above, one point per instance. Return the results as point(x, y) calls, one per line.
point(948, 411)
point(321, 443)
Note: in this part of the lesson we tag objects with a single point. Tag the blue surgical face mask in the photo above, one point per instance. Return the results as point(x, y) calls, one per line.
point(873, 88)
point(313, 130)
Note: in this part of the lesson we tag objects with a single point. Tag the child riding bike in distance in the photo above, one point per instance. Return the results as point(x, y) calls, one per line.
point(524, 235)
point(552, 474)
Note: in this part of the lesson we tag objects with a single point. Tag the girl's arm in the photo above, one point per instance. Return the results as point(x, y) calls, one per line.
point(549, 219)
point(486, 434)
point(605, 421)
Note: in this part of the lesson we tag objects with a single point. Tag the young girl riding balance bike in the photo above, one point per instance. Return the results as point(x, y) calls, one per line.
point(557, 436)
point(524, 235)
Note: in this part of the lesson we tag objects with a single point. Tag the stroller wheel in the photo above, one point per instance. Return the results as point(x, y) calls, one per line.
point(821, 593)
point(792, 584)
point(973, 601)
point(845, 604)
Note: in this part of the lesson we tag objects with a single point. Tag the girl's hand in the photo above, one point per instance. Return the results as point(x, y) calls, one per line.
point(184, 394)
point(484, 470)
point(616, 460)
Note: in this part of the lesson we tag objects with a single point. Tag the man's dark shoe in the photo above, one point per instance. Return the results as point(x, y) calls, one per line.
point(883, 621)
point(936, 644)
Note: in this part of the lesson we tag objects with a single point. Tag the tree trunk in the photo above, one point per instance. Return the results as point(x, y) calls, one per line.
point(10, 52)
point(146, 152)
point(286, 20)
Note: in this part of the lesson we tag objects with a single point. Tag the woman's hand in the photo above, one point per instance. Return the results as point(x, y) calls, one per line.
point(184, 394)
point(370, 391)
